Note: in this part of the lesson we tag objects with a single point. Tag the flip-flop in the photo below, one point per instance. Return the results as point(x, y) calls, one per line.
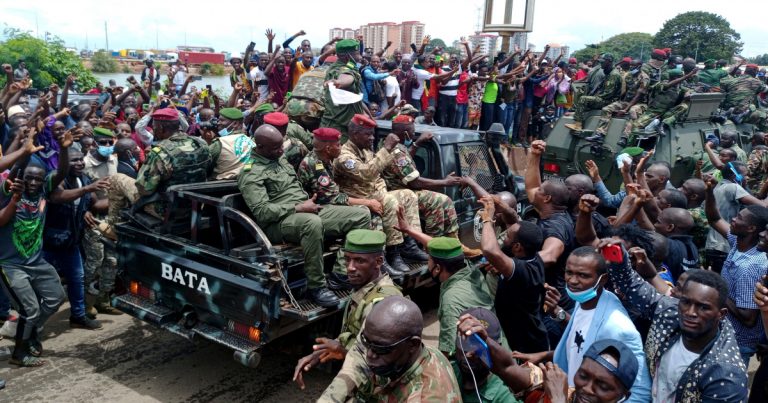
point(35, 348)
point(27, 361)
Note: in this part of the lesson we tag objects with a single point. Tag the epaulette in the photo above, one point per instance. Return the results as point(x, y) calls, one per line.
point(247, 167)
point(156, 149)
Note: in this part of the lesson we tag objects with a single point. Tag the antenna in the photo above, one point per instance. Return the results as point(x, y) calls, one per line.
point(106, 37)
point(478, 21)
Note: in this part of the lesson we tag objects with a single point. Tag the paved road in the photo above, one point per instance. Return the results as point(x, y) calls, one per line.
point(129, 361)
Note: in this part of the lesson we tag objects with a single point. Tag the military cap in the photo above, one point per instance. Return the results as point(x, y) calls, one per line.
point(632, 151)
point(408, 109)
point(231, 113)
point(710, 62)
point(405, 119)
point(489, 321)
point(103, 131)
point(365, 241)
point(444, 248)
point(165, 114)
point(276, 119)
point(674, 73)
point(752, 66)
point(627, 365)
point(264, 108)
point(660, 53)
point(572, 60)
point(347, 46)
point(626, 59)
point(363, 120)
point(326, 134)
point(496, 128)
point(607, 56)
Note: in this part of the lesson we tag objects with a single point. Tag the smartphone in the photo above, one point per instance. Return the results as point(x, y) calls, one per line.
point(115, 109)
point(612, 253)
point(479, 349)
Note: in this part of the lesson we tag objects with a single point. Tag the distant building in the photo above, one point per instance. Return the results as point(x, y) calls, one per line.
point(413, 32)
point(377, 34)
point(489, 43)
point(555, 49)
point(344, 33)
point(519, 39)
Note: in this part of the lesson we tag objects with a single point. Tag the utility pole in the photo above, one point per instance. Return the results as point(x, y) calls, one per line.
point(157, 36)
point(696, 56)
point(106, 37)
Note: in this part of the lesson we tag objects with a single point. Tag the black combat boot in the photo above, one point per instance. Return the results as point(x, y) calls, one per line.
point(337, 281)
point(396, 262)
point(410, 251)
point(324, 297)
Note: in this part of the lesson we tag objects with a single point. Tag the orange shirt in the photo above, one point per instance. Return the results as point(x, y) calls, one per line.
point(298, 70)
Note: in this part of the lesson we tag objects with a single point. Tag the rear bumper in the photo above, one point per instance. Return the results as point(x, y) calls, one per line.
point(170, 320)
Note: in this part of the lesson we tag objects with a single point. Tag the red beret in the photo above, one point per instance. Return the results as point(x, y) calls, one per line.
point(626, 60)
point(667, 50)
point(327, 134)
point(752, 66)
point(403, 119)
point(572, 60)
point(363, 120)
point(660, 52)
point(276, 119)
point(165, 114)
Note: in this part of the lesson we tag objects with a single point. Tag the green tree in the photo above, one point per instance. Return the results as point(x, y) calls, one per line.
point(101, 62)
point(761, 60)
point(435, 43)
point(636, 45)
point(48, 62)
point(699, 34)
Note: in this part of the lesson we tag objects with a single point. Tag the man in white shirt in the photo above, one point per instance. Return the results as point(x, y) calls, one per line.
point(259, 79)
point(179, 72)
point(392, 89)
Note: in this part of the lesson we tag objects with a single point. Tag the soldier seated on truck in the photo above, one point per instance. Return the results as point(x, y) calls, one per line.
point(287, 213)
point(177, 158)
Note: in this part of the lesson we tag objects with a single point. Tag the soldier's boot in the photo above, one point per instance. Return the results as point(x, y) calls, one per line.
point(468, 252)
point(576, 126)
point(324, 297)
point(90, 310)
point(622, 141)
point(410, 251)
point(337, 281)
point(396, 262)
point(102, 305)
point(597, 137)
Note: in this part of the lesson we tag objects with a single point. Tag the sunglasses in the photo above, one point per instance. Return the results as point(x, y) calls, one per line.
point(380, 349)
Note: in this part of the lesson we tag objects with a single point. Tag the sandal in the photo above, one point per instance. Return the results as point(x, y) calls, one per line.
point(27, 361)
point(35, 348)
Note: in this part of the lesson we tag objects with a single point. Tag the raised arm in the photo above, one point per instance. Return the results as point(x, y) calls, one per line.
point(490, 245)
point(287, 42)
point(532, 174)
point(710, 208)
point(270, 37)
point(271, 64)
point(65, 93)
point(585, 229)
point(382, 51)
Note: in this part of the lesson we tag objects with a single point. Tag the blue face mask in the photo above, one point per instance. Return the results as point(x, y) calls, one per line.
point(586, 295)
point(224, 132)
point(106, 151)
point(408, 142)
point(197, 118)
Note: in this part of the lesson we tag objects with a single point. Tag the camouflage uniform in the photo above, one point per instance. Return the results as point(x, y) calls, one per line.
point(271, 191)
point(758, 168)
point(436, 209)
point(360, 304)
point(662, 104)
point(100, 260)
point(700, 229)
point(294, 151)
point(339, 116)
point(610, 92)
point(740, 92)
point(633, 85)
point(358, 173)
point(228, 155)
point(296, 131)
point(656, 74)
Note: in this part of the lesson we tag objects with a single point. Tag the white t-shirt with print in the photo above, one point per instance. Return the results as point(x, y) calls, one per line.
point(576, 341)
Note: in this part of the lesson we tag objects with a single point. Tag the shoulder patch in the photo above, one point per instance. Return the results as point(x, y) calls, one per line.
point(319, 166)
point(247, 167)
point(349, 164)
point(324, 180)
point(157, 149)
point(401, 162)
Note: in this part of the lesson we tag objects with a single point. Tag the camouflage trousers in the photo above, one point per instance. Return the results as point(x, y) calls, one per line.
point(586, 103)
point(438, 213)
point(100, 260)
point(607, 113)
point(122, 193)
point(669, 117)
point(391, 202)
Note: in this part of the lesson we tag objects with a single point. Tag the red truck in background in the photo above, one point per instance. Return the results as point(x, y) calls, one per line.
point(201, 57)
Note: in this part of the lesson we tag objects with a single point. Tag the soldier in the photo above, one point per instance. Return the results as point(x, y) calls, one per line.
point(398, 366)
point(287, 213)
point(358, 172)
point(435, 208)
point(633, 103)
point(711, 76)
point(664, 103)
point(231, 149)
point(344, 75)
point(656, 68)
point(757, 163)
point(100, 259)
point(740, 93)
point(364, 252)
point(603, 94)
point(293, 148)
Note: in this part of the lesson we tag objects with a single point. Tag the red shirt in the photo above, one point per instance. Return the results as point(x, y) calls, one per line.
point(462, 95)
point(579, 75)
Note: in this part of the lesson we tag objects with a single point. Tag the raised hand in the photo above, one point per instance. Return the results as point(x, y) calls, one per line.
point(588, 203)
point(593, 171)
point(391, 141)
point(402, 224)
point(7, 68)
point(489, 208)
point(538, 147)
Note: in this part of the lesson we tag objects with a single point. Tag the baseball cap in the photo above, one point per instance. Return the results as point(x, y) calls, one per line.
point(627, 366)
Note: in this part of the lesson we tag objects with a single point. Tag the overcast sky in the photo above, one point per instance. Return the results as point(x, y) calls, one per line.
point(230, 25)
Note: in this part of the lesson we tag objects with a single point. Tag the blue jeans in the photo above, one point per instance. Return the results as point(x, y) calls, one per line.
point(69, 264)
point(509, 119)
point(460, 120)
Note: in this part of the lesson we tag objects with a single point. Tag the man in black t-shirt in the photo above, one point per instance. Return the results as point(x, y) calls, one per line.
point(521, 285)
point(683, 255)
point(578, 185)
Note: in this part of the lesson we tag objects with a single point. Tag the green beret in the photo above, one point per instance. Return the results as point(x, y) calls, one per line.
point(231, 113)
point(347, 46)
point(632, 151)
point(607, 56)
point(675, 73)
point(103, 131)
point(444, 248)
point(710, 62)
point(264, 108)
point(365, 241)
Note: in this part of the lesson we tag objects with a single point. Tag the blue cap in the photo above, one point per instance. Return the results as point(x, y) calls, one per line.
point(712, 138)
point(627, 368)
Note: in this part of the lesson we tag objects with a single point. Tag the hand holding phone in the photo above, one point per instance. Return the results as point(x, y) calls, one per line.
point(479, 349)
point(612, 253)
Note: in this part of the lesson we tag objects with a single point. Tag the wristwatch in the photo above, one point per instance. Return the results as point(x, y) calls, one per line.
point(559, 315)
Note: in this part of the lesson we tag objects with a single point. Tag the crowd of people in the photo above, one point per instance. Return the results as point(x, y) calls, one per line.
point(654, 293)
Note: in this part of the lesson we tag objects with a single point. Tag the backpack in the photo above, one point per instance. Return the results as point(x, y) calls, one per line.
point(306, 103)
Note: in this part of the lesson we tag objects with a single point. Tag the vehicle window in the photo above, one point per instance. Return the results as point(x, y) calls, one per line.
point(475, 162)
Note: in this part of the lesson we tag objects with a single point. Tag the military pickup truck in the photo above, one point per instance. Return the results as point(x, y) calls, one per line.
point(208, 271)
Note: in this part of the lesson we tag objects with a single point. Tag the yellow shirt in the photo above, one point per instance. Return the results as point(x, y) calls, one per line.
point(298, 70)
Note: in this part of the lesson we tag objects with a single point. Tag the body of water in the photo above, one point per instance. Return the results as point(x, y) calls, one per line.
point(218, 83)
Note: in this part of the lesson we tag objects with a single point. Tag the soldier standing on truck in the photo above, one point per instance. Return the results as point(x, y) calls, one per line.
point(287, 213)
point(364, 253)
point(358, 172)
point(601, 95)
point(343, 74)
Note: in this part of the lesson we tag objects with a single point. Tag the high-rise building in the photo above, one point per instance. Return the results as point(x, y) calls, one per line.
point(377, 34)
point(343, 33)
point(520, 40)
point(489, 43)
point(412, 32)
point(555, 49)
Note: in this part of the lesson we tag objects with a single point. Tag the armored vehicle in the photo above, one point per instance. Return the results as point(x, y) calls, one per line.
point(208, 270)
point(681, 145)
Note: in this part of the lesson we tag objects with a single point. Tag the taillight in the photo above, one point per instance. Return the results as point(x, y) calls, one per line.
point(552, 167)
point(141, 290)
point(247, 332)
